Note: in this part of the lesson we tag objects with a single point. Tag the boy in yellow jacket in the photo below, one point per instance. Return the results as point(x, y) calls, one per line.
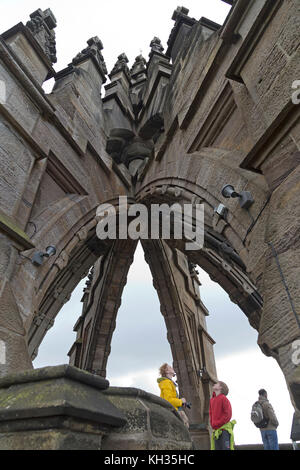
point(168, 390)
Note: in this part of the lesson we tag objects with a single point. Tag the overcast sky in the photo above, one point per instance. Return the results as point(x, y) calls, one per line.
point(139, 344)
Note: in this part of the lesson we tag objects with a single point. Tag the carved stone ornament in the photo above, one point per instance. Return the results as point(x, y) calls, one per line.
point(124, 147)
point(63, 260)
point(121, 66)
point(93, 51)
point(42, 25)
point(82, 234)
point(156, 45)
point(139, 67)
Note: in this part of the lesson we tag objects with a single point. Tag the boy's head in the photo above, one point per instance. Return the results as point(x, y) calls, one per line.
point(262, 393)
point(163, 369)
point(166, 370)
point(221, 387)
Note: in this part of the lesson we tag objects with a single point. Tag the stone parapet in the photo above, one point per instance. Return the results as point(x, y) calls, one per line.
point(66, 408)
point(152, 423)
point(55, 408)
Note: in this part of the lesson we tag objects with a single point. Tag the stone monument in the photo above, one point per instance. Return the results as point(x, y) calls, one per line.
point(212, 120)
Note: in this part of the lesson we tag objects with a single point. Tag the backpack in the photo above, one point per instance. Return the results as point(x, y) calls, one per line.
point(257, 416)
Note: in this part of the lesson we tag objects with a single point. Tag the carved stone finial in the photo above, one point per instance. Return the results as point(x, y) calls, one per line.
point(42, 25)
point(95, 43)
point(180, 11)
point(121, 66)
point(193, 268)
point(181, 18)
point(139, 66)
point(89, 280)
point(156, 45)
point(94, 52)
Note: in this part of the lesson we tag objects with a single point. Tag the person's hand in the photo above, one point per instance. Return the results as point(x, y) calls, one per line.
point(183, 401)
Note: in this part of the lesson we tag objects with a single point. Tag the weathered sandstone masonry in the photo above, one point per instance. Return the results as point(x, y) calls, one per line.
point(214, 108)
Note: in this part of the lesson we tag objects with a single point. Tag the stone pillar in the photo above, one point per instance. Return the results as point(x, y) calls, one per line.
point(97, 322)
point(192, 347)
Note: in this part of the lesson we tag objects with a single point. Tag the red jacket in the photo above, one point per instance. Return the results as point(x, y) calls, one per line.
point(219, 411)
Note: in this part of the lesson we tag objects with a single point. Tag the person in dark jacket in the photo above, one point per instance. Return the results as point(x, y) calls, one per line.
point(269, 433)
point(220, 414)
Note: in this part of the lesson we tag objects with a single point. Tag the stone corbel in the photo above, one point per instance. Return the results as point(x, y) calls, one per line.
point(174, 191)
point(38, 320)
point(218, 223)
point(62, 261)
point(82, 234)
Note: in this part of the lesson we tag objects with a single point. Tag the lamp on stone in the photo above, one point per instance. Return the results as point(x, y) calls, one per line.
point(245, 197)
point(221, 210)
point(201, 372)
point(39, 256)
point(228, 191)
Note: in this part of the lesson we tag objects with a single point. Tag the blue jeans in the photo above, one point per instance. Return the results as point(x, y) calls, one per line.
point(270, 439)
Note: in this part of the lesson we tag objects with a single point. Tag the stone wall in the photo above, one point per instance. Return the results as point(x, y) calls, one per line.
point(214, 109)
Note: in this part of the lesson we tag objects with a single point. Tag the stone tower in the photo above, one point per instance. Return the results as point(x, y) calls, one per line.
point(216, 109)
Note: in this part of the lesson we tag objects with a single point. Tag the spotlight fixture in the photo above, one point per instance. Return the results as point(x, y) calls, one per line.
point(228, 191)
point(39, 256)
point(202, 372)
point(221, 210)
point(245, 197)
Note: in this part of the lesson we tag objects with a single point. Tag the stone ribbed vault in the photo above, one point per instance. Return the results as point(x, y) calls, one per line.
point(215, 108)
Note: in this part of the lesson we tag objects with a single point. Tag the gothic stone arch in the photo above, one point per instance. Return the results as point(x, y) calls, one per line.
point(214, 109)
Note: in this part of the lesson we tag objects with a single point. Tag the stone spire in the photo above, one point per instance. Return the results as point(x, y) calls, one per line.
point(93, 51)
point(180, 12)
point(156, 45)
point(139, 68)
point(121, 66)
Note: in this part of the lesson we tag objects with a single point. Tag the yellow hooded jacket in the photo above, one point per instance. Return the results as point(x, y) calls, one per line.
point(168, 392)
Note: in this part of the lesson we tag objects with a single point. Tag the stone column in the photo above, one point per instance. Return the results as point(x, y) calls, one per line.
point(97, 322)
point(192, 347)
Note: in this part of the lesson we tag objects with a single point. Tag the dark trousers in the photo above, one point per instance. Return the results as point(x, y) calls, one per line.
point(223, 443)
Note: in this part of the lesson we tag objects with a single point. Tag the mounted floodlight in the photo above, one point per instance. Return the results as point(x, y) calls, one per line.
point(245, 197)
point(50, 251)
point(39, 256)
point(202, 372)
point(228, 191)
point(221, 210)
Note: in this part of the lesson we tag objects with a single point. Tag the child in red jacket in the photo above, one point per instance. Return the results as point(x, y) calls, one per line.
point(220, 413)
